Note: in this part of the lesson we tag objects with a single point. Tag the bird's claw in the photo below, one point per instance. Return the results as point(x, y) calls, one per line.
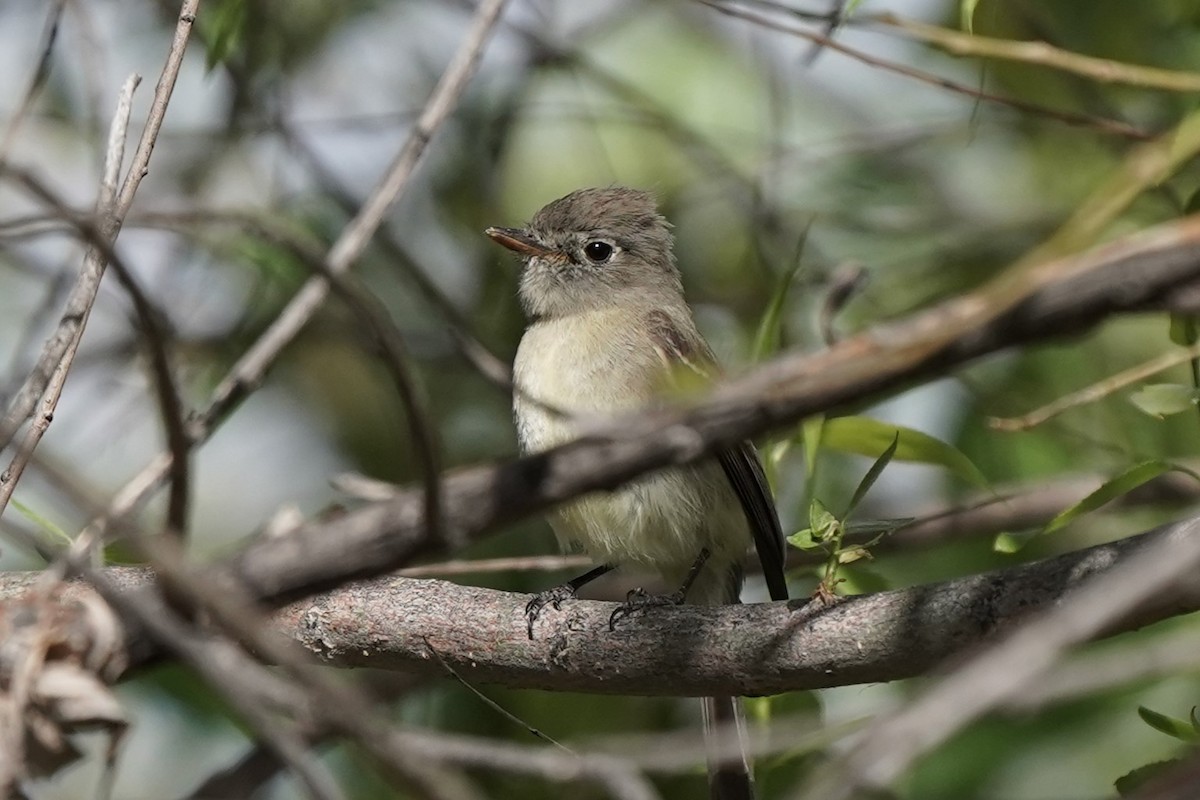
point(638, 600)
point(551, 597)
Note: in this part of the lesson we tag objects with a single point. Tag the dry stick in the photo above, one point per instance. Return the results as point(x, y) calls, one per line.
point(40, 73)
point(154, 329)
point(1086, 120)
point(1101, 70)
point(258, 765)
point(250, 369)
point(1136, 661)
point(82, 296)
point(1002, 670)
point(1049, 299)
point(93, 269)
point(340, 706)
point(1097, 391)
point(232, 673)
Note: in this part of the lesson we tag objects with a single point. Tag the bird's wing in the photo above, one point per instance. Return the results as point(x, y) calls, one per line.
point(741, 464)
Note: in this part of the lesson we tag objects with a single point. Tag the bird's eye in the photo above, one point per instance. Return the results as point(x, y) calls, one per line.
point(598, 252)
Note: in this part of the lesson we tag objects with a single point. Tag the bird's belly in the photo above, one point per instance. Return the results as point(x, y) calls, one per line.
point(660, 521)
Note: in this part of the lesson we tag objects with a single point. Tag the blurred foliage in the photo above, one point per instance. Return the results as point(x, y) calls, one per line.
point(774, 172)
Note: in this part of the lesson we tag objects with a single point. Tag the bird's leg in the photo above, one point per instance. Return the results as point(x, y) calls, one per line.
point(638, 600)
point(555, 596)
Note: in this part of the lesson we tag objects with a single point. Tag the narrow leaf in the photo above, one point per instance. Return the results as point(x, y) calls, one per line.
point(1184, 329)
point(870, 437)
point(872, 475)
point(1110, 490)
point(1177, 728)
point(770, 328)
point(44, 525)
point(967, 13)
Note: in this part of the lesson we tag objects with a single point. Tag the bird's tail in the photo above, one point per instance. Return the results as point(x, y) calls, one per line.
point(725, 736)
point(725, 741)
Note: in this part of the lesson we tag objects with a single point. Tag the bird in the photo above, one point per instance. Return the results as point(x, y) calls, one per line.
point(610, 332)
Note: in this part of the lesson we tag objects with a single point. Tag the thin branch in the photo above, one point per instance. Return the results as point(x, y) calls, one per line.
point(1002, 670)
point(83, 294)
point(155, 336)
point(1055, 298)
point(36, 81)
point(1101, 70)
point(89, 277)
point(340, 707)
point(232, 673)
point(1097, 391)
point(1109, 126)
point(1135, 661)
point(251, 368)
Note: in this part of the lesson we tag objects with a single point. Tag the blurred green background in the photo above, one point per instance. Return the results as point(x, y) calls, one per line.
point(767, 156)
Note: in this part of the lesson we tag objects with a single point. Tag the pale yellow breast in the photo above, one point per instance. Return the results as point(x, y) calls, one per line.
point(588, 364)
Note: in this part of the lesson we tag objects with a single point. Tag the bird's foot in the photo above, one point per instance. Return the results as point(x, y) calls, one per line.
point(638, 600)
point(550, 597)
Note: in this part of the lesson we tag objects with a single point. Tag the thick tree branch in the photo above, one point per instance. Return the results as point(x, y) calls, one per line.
point(1148, 271)
point(393, 623)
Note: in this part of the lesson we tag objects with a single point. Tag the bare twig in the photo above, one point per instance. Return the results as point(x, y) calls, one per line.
point(1109, 126)
point(36, 81)
point(1097, 391)
point(89, 277)
point(1138, 660)
point(250, 369)
point(1101, 70)
point(233, 674)
point(82, 295)
point(1053, 298)
point(155, 336)
point(338, 706)
point(1002, 670)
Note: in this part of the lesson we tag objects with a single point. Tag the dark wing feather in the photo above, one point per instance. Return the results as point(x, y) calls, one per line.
point(749, 482)
point(741, 464)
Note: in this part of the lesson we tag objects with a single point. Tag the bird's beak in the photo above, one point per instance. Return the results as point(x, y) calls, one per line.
point(518, 240)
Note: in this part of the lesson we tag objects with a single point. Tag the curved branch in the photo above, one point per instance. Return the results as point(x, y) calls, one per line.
point(393, 623)
point(1152, 270)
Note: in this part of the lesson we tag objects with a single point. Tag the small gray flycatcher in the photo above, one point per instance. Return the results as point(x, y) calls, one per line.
point(609, 332)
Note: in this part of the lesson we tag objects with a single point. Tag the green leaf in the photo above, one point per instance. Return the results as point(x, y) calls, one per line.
point(872, 475)
point(967, 15)
point(1164, 399)
point(1009, 543)
point(1110, 490)
point(769, 337)
point(1177, 728)
point(47, 527)
point(824, 525)
point(849, 555)
point(1184, 330)
point(226, 24)
point(870, 437)
point(803, 540)
point(813, 432)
